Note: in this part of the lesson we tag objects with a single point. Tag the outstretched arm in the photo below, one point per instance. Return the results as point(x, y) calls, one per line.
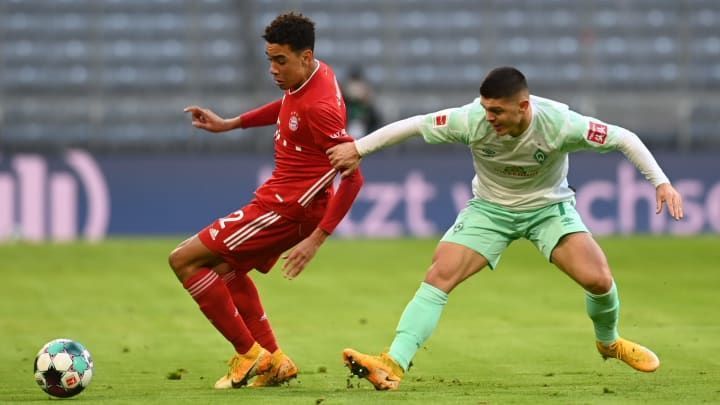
point(208, 120)
point(636, 152)
point(346, 156)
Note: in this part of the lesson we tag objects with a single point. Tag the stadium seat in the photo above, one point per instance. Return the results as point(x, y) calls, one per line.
point(412, 51)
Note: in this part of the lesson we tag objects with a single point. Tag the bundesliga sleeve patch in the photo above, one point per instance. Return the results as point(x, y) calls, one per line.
point(440, 120)
point(597, 133)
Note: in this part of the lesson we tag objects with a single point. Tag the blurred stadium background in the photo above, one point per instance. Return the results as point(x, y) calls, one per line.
point(109, 79)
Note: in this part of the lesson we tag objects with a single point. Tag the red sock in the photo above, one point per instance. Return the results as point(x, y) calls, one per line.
point(209, 291)
point(247, 300)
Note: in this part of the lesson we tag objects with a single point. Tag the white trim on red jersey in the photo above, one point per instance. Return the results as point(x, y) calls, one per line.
point(319, 185)
point(317, 62)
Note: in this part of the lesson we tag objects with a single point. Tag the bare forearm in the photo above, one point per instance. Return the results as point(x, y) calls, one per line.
point(318, 236)
point(234, 123)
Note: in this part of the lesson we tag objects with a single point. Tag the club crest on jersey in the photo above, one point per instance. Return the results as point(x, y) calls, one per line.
point(597, 133)
point(440, 120)
point(294, 121)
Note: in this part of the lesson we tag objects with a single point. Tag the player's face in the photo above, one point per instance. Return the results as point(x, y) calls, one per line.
point(289, 68)
point(508, 115)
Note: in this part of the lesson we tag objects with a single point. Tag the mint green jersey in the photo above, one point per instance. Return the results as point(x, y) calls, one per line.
point(528, 171)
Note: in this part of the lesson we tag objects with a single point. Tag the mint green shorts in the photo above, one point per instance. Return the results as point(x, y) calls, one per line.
point(489, 229)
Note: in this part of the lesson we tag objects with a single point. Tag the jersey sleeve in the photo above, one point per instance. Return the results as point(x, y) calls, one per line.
point(586, 133)
point(327, 125)
point(452, 125)
point(261, 116)
point(341, 202)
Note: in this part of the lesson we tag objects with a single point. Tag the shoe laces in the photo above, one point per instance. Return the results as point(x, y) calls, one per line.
point(234, 363)
point(623, 351)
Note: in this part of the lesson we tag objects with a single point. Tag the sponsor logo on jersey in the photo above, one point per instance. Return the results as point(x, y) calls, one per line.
point(597, 133)
point(213, 233)
point(488, 152)
point(440, 120)
point(519, 171)
point(458, 227)
point(539, 156)
point(339, 134)
point(294, 121)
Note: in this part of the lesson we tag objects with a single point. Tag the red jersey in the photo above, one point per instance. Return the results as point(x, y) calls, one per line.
point(310, 120)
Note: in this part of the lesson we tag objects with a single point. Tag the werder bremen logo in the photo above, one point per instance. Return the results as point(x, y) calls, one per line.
point(539, 156)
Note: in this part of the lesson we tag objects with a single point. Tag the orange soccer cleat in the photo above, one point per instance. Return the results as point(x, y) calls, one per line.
point(282, 370)
point(382, 371)
point(638, 357)
point(243, 367)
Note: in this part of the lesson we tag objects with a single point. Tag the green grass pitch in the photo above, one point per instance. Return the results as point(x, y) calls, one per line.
point(515, 335)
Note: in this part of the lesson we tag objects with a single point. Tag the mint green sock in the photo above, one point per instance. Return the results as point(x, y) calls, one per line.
point(604, 310)
point(417, 323)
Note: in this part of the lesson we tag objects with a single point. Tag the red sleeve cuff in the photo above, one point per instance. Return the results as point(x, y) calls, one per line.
point(342, 201)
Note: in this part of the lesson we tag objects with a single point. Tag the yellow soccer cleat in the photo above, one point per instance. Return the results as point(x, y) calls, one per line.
point(282, 370)
point(243, 367)
point(638, 357)
point(382, 371)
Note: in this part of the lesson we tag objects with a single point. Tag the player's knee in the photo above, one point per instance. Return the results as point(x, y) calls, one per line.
point(442, 277)
point(222, 269)
point(601, 283)
point(177, 263)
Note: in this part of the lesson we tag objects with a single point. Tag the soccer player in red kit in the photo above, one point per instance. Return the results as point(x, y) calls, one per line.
point(296, 208)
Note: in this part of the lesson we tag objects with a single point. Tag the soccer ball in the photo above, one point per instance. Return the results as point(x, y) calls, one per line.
point(63, 368)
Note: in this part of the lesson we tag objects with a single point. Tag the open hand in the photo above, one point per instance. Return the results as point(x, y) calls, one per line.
point(666, 194)
point(299, 257)
point(206, 119)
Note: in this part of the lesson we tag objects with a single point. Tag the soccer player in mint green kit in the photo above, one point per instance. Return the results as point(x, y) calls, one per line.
point(520, 145)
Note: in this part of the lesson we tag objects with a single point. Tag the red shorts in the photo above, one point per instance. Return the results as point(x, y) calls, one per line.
point(254, 238)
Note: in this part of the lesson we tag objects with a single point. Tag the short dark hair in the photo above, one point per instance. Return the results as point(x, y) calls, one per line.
point(502, 82)
point(291, 29)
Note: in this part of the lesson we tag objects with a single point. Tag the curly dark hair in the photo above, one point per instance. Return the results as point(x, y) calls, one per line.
point(291, 29)
point(502, 82)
